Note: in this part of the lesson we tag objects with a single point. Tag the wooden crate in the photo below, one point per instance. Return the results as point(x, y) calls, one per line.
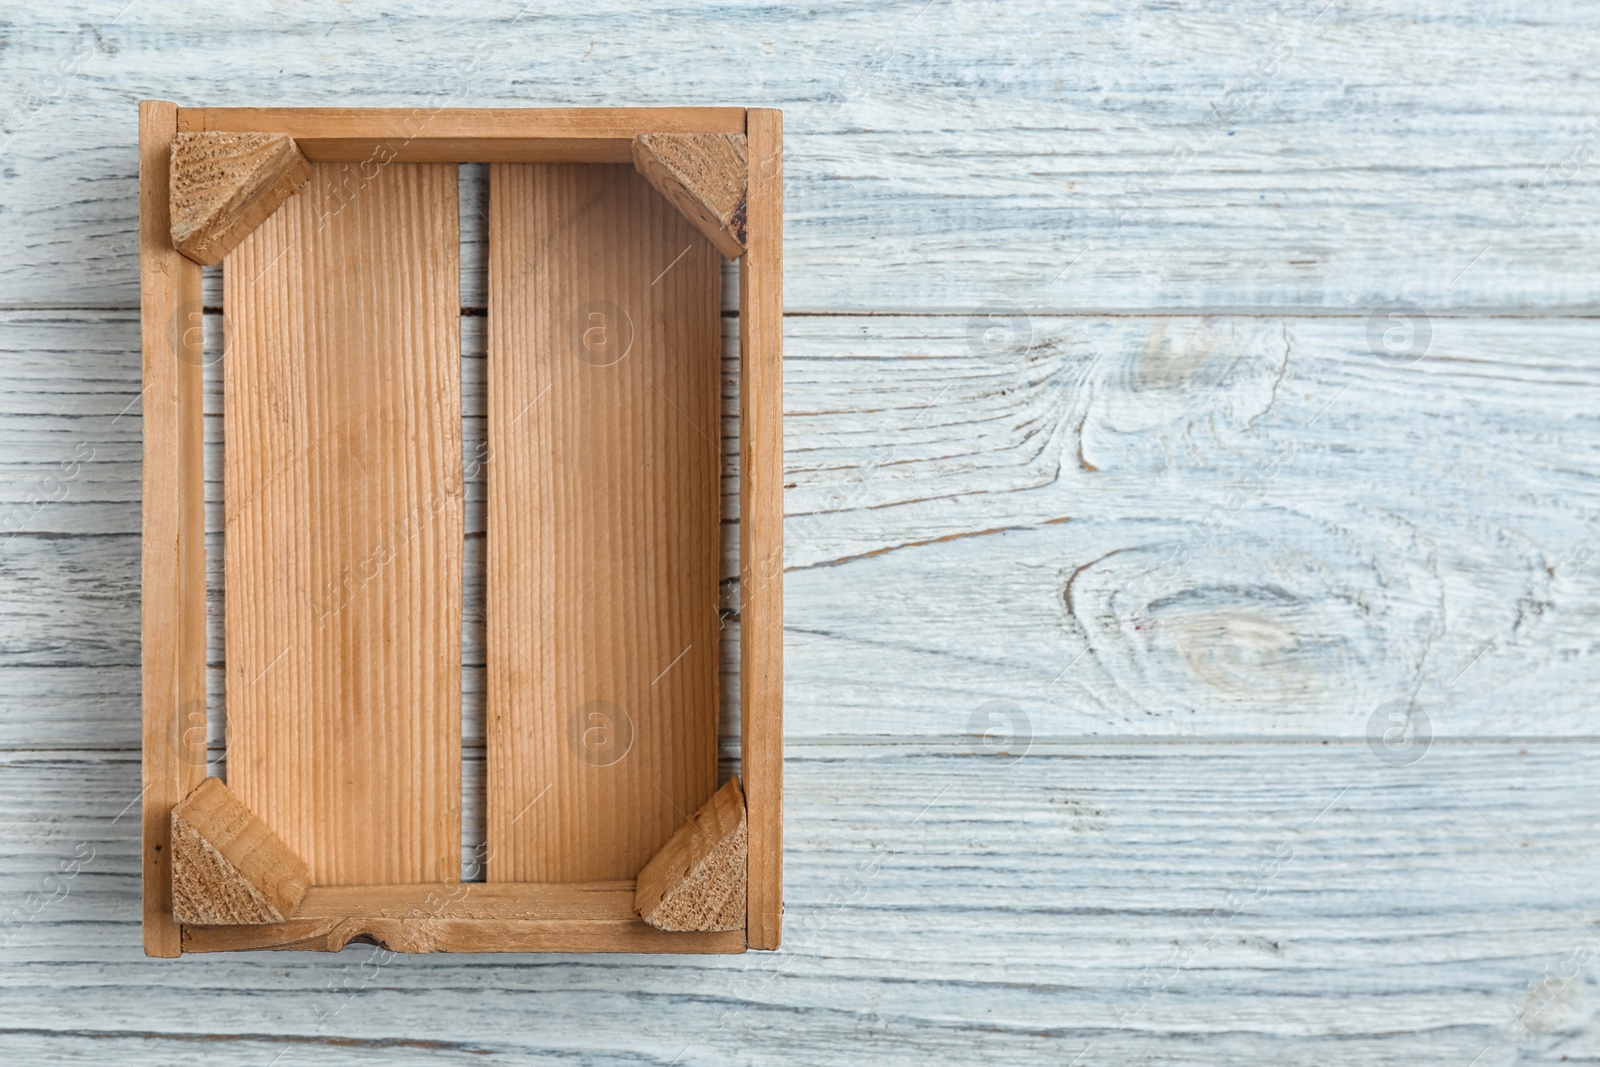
point(338, 234)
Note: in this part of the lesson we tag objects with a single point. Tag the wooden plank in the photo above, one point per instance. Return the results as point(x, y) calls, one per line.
point(173, 605)
point(1125, 894)
point(897, 436)
point(467, 917)
point(761, 524)
point(377, 136)
point(343, 526)
point(602, 523)
point(1464, 960)
point(1143, 148)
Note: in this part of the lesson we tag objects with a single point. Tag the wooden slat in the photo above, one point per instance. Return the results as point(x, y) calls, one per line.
point(492, 917)
point(482, 135)
point(173, 605)
point(761, 524)
point(344, 525)
point(602, 522)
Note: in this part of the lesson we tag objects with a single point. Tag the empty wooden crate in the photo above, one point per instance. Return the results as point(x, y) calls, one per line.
point(338, 233)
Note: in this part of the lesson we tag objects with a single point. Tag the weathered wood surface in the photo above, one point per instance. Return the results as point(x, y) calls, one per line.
point(1384, 530)
point(1227, 903)
point(1088, 156)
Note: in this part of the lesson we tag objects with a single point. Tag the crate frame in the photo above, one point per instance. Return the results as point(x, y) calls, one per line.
point(566, 917)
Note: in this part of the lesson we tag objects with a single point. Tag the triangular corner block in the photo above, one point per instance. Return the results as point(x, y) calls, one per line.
point(228, 867)
point(697, 880)
point(703, 175)
point(223, 185)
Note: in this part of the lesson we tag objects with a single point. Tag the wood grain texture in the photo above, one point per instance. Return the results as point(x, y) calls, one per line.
point(172, 583)
point(1332, 469)
point(224, 184)
point(343, 526)
point(697, 880)
point(461, 917)
point(1134, 897)
point(703, 176)
point(602, 522)
point(940, 158)
point(483, 135)
point(1091, 157)
point(761, 486)
point(227, 866)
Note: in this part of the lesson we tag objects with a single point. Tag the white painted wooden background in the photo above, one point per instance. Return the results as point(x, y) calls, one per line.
point(1090, 438)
